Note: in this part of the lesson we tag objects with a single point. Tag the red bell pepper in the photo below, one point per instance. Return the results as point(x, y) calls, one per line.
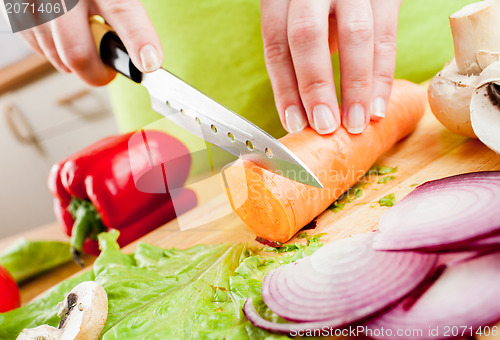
point(9, 293)
point(131, 182)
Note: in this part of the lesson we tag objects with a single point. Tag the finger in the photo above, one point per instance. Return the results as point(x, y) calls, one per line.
point(308, 39)
point(29, 37)
point(385, 24)
point(308, 35)
point(44, 39)
point(355, 39)
point(76, 47)
point(280, 66)
point(132, 24)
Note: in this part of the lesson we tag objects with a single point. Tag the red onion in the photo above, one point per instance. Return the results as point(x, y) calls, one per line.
point(443, 215)
point(463, 299)
point(493, 240)
point(343, 282)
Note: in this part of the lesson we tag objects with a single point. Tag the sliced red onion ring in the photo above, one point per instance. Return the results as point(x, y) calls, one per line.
point(288, 328)
point(444, 214)
point(464, 298)
point(493, 240)
point(344, 281)
point(488, 243)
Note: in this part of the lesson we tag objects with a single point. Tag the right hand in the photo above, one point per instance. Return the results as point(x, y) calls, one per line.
point(68, 44)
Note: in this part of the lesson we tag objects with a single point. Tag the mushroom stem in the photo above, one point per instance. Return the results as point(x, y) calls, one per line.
point(476, 36)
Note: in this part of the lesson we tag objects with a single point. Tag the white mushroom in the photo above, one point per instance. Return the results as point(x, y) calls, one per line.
point(84, 312)
point(485, 107)
point(449, 98)
point(476, 36)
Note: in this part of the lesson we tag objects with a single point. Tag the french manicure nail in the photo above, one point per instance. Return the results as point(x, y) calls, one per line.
point(150, 58)
point(295, 119)
point(324, 122)
point(378, 107)
point(356, 119)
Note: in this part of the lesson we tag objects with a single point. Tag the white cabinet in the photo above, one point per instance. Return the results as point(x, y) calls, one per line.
point(41, 124)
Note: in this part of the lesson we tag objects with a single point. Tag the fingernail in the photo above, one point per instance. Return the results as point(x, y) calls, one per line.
point(323, 119)
point(295, 119)
point(378, 107)
point(355, 119)
point(150, 58)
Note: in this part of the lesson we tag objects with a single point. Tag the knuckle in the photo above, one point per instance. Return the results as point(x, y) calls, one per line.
point(125, 10)
point(313, 86)
point(77, 57)
point(357, 83)
point(116, 7)
point(275, 50)
point(383, 78)
point(360, 31)
point(304, 31)
point(385, 44)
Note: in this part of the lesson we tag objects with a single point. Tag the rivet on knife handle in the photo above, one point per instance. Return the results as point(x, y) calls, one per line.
point(112, 50)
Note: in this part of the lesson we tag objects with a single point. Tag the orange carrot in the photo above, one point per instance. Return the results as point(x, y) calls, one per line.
point(275, 207)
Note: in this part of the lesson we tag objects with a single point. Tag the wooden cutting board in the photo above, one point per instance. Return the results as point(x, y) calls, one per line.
point(430, 152)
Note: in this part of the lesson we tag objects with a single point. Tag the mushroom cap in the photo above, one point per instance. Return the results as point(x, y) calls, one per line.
point(449, 96)
point(87, 318)
point(485, 107)
point(84, 311)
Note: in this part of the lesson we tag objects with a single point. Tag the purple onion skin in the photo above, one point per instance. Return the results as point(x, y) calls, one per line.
point(465, 297)
point(478, 252)
point(464, 234)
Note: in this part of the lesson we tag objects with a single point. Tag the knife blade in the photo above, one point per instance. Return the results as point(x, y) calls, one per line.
point(204, 117)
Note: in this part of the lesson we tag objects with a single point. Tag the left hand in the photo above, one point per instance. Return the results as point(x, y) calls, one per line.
point(299, 37)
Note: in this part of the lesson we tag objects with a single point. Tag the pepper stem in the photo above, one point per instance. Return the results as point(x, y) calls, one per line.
point(87, 223)
point(79, 233)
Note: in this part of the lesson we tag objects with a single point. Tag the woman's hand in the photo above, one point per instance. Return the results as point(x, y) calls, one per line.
point(68, 44)
point(299, 37)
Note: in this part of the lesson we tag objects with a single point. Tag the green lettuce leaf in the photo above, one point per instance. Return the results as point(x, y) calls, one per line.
point(155, 293)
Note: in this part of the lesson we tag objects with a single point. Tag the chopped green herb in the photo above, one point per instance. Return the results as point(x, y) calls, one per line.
point(388, 200)
point(358, 192)
point(385, 179)
point(302, 235)
point(284, 248)
point(350, 195)
point(314, 238)
point(288, 248)
point(337, 206)
point(414, 185)
point(381, 170)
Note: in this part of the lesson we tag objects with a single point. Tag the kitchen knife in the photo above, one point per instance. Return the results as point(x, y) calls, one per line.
point(194, 111)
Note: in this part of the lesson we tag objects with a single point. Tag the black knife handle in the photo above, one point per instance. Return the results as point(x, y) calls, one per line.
point(112, 51)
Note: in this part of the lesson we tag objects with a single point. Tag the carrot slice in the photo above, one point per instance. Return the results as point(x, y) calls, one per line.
point(275, 207)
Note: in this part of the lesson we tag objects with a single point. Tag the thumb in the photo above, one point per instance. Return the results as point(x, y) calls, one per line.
point(132, 24)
